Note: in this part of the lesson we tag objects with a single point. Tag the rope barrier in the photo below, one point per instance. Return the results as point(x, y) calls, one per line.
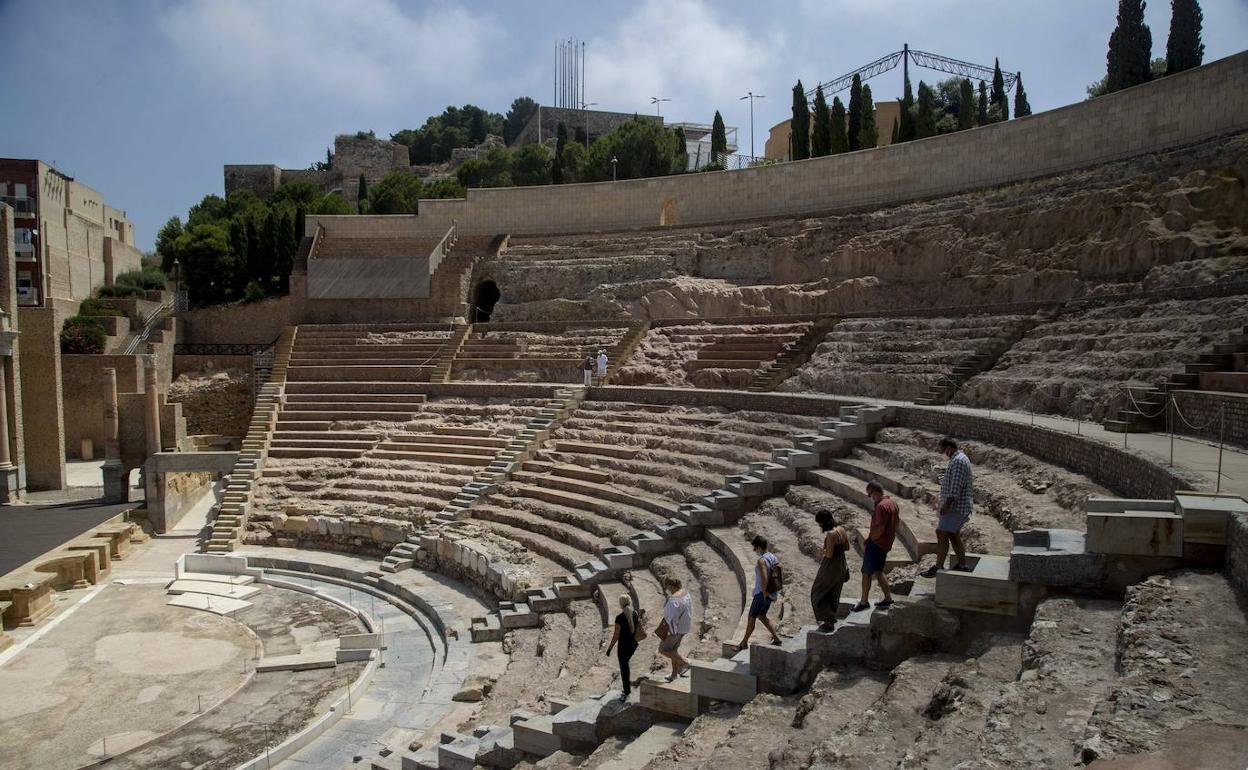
point(1189, 423)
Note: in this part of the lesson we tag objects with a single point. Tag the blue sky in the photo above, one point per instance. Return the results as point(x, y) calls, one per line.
point(146, 100)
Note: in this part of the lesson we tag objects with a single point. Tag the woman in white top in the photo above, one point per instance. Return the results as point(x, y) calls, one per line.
point(678, 616)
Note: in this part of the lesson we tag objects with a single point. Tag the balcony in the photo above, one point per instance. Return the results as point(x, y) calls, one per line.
point(23, 206)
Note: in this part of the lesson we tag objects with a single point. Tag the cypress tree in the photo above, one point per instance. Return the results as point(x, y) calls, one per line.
point(361, 194)
point(268, 252)
point(854, 129)
point(1000, 101)
point(329, 159)
point(255, 270)
point(840, 142)
point(966, 105)
point(286, 246)
point(925, 121)
point(1128, 62)
point(896, 132)
point(821, 137)
point(1184, 48)
point(719, 139)
point(799, 133)
point(981, 107)
point(905, 130)
point(556, 165)
point(1022, 107)
point(680, 164)
point(870, 135)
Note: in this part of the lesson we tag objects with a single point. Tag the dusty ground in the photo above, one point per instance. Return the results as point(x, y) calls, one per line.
point(214, 403)
point(663, 356)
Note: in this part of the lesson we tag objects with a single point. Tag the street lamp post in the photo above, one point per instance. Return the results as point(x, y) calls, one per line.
point(585, 106)
point(614, 161)
point(752, 96)
point(657, 101)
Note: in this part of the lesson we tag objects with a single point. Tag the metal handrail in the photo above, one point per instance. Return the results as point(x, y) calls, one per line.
point(439, 252)
point(149, 325)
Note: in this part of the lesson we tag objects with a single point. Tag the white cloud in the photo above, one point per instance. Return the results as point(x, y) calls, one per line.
point(681, 49)
point(367, 52)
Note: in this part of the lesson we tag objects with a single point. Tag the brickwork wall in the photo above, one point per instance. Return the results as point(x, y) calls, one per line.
point(600, 123)
point(119, 258)
point(183, 364)
point(82, 396)
point(1225, 416)
point(42, 408)
point(252, 322)
point(262, 179)
point(1181, 109)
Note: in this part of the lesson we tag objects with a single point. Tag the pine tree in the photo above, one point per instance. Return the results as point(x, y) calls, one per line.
point(821, 137)
point(925, 120)
point(981, 106)
point(905, 131)
point(896, 131)
point(840, 142)
point(870, 135)
point(556, 165)
point(1184, 48)
point(999, 109)
point(854, 128)
point(799, 133)
point(361, 195)
point(1130, 48)
point(966, 105)
point(1022, 108)
point(719, 139)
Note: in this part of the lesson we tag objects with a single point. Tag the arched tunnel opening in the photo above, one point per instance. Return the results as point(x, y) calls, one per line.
point(484, 298)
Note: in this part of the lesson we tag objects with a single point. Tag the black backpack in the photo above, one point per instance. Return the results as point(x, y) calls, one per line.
point(775, 578)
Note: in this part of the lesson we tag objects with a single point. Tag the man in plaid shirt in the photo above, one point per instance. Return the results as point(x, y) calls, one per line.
point(955, 507)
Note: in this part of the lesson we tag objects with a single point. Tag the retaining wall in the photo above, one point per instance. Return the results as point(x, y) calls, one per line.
point(1205, 410)
point(1181, 109)
point(1237, 553)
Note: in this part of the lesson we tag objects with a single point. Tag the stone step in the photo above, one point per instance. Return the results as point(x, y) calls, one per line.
point(487, 629)
point(640, 751)
point(675, 698)
point(291, 453)
point(536, 736)
point(336, 373)
point(438, 458)
point(724, 679)
point(515, 615)
point(411, 445)
point(604, 450)
point(569, 587)
point(407, 399)
point(370, 415)
point(567, 471)
point(340, 389)
point(986, 588)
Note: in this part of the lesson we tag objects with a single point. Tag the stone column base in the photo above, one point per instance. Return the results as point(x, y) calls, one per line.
point(10, 485)
point(116, 483)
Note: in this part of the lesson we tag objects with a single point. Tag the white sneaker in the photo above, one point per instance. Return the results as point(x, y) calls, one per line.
point(684, 671)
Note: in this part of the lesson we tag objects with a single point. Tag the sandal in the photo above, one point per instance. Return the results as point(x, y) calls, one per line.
point(961, 568)
point(860, 606)
point(777, 641)
point(930, 572)
point(884, 604)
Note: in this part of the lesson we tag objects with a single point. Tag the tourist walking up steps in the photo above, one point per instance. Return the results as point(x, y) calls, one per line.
point(768, 580)
point(602, 367)
point(825, 592)
point(956, 503)
point(587, 369)
point(879, 540)
point(627, 633)
point(677, 620)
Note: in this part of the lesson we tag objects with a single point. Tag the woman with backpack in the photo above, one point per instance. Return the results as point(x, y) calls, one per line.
point(628, 632)
point(768, 580)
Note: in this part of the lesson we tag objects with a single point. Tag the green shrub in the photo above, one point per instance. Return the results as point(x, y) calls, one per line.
point(83, 335)
point(254, 292)
point(120, 291)
point(97, 308)
point(149, 278)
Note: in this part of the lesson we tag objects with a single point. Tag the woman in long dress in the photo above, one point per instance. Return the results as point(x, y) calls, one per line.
point(825, 592)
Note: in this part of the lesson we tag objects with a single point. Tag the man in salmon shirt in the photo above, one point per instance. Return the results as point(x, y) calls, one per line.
point(879, 540)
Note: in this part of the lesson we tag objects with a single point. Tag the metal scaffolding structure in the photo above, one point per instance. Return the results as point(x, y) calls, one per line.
point(923, 59)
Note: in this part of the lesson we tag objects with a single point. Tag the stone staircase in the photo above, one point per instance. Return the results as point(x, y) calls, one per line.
point(769, 377)
point(498, 468)
point(230, 514)
point(1224, 368)
point(943, 390)
point(446, 358)
point(624, 348)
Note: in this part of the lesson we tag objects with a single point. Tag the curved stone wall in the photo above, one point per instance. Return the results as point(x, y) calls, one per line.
point(1177, 110)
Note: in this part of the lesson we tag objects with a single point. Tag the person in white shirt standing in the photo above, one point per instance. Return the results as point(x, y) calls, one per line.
point(602, 367)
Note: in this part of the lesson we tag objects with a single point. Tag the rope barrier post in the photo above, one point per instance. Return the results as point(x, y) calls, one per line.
point(1221, 436)
point(1170, 424)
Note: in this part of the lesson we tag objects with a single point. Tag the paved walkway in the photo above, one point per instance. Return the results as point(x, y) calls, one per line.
point(27, 531)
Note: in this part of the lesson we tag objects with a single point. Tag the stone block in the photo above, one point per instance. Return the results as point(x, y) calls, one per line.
point(726, 679)
point(781, 669)
point(1135, 533)
point(1205, 517)
point(1055, 557)
point(536, 736)
point(577, 725)
point(986, 588)
point(1118, 505)
point(674, 698)
point(917, 617)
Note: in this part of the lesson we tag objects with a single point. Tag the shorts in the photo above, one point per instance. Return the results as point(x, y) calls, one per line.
point(952, 522)
point(760, 604)
point(671, 642)
point(873, 557)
